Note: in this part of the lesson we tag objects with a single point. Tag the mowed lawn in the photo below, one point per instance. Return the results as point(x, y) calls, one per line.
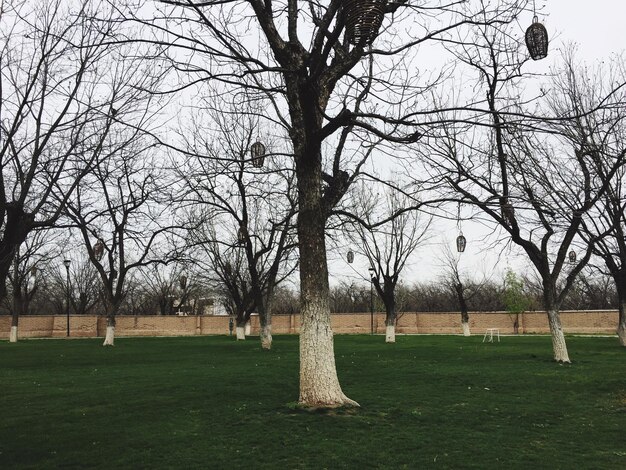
point(210, 402)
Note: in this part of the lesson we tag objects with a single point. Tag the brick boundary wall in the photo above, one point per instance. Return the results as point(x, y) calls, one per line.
point(89, 326)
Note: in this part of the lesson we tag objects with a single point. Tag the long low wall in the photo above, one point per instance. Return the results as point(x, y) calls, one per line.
point(49, 326)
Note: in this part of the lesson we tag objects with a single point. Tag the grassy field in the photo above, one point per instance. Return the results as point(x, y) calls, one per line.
point(209, 402)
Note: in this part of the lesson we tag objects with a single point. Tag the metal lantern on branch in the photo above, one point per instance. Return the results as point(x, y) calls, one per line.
point(258, 154)
point(363, 19)
point(350, 257)
point(461, 243)
point(537, 40)
point(572, 256)
point(182, 280)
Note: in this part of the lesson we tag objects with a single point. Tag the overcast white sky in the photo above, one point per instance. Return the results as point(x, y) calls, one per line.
point(597, 26)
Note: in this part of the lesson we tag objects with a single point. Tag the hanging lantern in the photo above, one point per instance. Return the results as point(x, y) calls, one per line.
point(461, 242)
point(350, 257)
point(537, 40)
point(183, 282)
point(258, 154)
point(363, 19)
point(572, 256)
point(98, 249)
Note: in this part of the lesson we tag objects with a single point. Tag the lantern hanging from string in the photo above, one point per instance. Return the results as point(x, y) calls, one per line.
point(98, 249)
point(572, 256)
point(537, 40)
point(183, 282)
point(350, 257)
point(363, 19)
point(258, 154)
point(461, 242)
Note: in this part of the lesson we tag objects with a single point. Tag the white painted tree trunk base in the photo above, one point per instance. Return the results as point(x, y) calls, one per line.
point(248, 329)
point(109, 339)
point(621, 334)
point(559, 345)
point(13, 335)
point(390, 334)
point(266, 337)
point(319, 384)
point(241, 333)
point(466, 328)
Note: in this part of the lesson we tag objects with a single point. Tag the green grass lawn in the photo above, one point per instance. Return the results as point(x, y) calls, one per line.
point(209, 402)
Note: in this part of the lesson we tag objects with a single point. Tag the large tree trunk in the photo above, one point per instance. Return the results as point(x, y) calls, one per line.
point(14, 322)
point(621, 327)
point(319, 384)
point(109, 339)
point(265, 321)
point(390, 333)
point(465, 327)
point(266, 336)
point(241, 332)
point(464, 311)
point(558, 337)
point(390, 317)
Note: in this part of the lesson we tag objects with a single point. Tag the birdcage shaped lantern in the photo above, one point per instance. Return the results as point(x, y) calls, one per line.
point(98, 249)
point(363, 19)
point(537, 40)
point(572, 256)
point(350, 257)
point(257, 150)
point(461, 243)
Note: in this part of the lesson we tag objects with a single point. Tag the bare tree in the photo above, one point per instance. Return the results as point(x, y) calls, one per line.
point(601, 136)
point(121, 212)
point(326, 87)
point(251, 195)
point(226, 268)
point(513, 165)
point(54, 111)
point(387, 246)
point(460, 284)
point(26, 275)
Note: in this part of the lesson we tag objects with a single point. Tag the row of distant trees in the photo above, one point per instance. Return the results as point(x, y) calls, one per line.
point(509, 294)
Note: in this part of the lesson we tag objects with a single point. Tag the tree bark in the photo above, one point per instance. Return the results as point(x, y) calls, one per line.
point(266, 336)
point(390, 334)
point(265, 322)
point(464, 311)
point(109, 339)
point(241, 332)
point(13, 334)
point(319, 384)
point(558, 337)
point(621, 327)
point(15, 317)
